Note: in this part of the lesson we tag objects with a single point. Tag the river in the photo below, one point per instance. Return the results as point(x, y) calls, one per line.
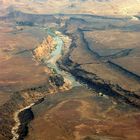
point(51, 63)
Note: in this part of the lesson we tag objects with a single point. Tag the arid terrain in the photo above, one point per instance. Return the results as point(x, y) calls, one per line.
point(69, 70)
point(97, 7)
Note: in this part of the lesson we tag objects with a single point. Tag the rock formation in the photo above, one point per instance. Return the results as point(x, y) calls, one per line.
point(45, 48)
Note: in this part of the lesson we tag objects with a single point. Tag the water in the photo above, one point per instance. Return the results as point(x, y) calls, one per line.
point(55, 55)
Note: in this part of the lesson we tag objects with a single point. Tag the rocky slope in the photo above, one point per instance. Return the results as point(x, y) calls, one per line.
point(44, 50)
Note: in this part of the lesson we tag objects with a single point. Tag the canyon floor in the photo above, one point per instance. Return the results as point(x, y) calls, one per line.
point(69, 74)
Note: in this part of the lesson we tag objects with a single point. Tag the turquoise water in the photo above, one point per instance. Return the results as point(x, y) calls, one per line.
point(56, 53)
point(55, 56)
point(58, 49)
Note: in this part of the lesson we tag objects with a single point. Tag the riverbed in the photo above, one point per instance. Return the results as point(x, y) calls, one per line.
point(51, 63)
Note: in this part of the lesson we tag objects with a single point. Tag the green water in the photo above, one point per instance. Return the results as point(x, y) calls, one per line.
point(54, 57)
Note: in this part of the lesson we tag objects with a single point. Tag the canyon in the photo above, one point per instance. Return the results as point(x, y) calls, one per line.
point(69, 73)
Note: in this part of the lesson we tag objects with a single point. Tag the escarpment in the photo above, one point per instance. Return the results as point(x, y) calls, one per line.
point(94, 71)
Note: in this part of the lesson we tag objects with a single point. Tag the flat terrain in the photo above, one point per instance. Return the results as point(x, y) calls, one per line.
point(97, 7)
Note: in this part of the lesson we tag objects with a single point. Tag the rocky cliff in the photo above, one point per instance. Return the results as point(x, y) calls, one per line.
point(44, 49)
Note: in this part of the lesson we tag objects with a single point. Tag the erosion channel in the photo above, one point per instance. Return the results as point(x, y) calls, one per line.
point(51, 63)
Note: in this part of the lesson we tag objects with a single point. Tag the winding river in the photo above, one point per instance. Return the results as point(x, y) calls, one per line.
point(51, 63)
point(56, 54)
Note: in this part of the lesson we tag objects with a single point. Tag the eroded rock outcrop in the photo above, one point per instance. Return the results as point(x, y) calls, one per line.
point(44, 49)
